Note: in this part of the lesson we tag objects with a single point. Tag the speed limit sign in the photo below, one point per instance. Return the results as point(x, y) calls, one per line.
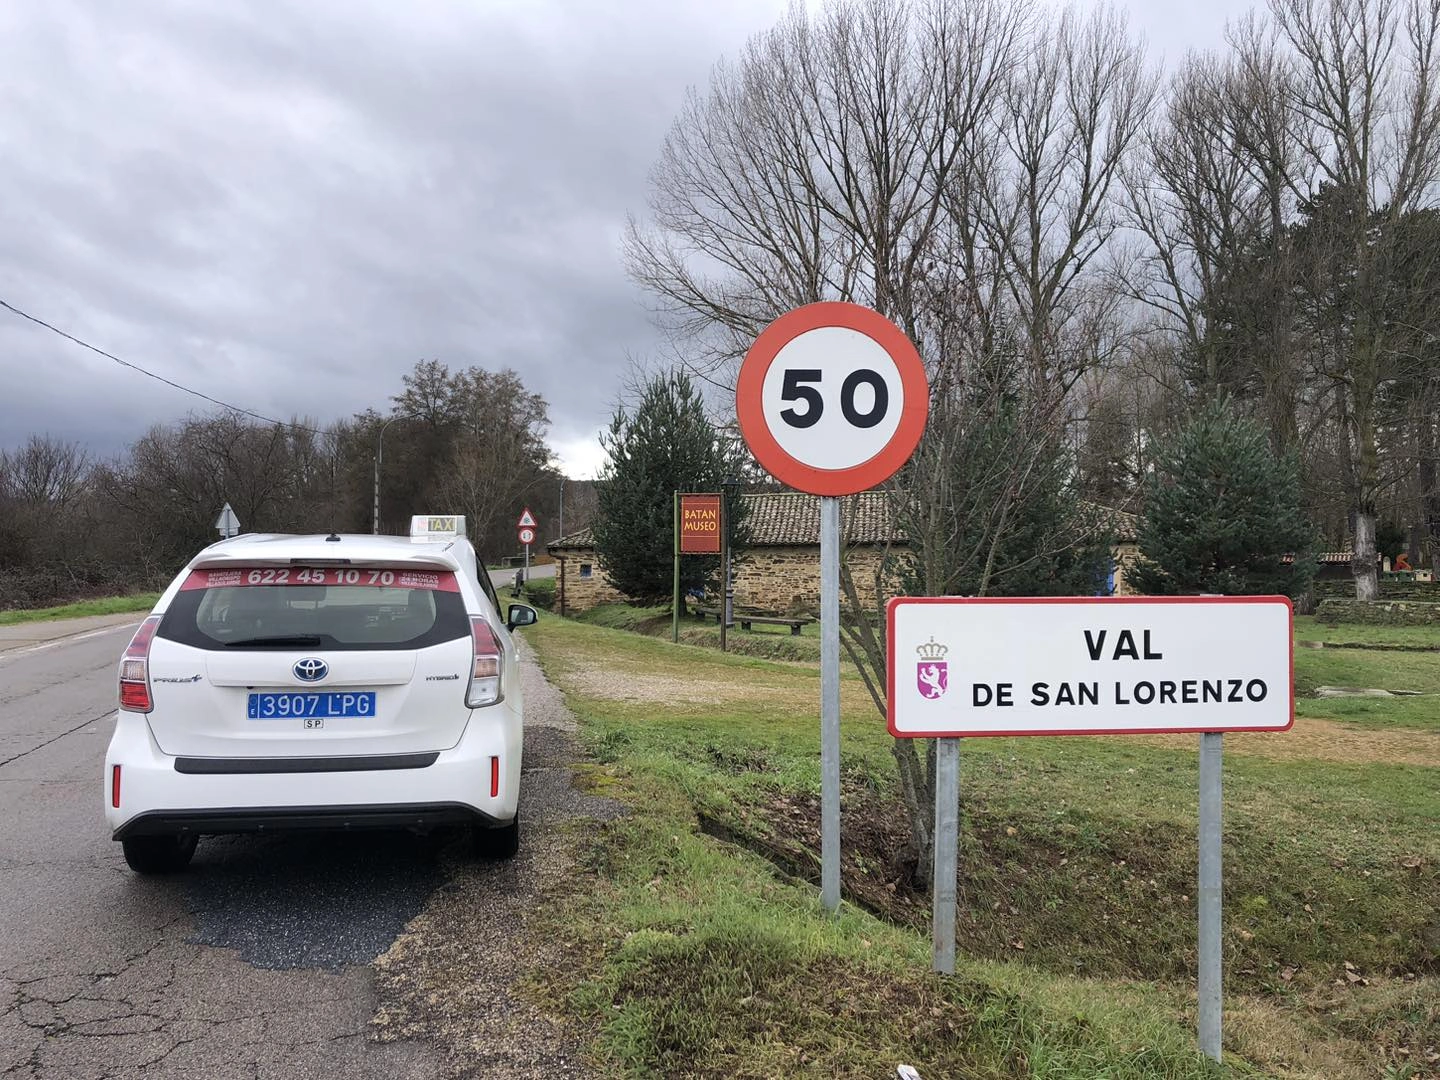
point(832, 398)
point(527, 535)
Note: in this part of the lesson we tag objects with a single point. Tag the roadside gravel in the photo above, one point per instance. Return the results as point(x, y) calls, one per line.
point(452, 978)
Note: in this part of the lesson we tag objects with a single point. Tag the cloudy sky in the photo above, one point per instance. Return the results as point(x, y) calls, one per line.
point(286, 204)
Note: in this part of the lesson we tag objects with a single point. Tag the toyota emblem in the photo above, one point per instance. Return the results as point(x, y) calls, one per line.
point(311, 669)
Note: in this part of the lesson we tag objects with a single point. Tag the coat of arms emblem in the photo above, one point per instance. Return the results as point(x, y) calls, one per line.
point(932, 673)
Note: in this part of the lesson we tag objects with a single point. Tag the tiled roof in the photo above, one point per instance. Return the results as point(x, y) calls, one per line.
point(1125, 525)
point(583, 540)
point(789, 519)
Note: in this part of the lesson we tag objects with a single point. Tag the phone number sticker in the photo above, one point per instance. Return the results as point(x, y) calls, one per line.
point(435, 581)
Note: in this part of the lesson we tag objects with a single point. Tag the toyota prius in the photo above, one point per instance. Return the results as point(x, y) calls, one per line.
point(319, 682)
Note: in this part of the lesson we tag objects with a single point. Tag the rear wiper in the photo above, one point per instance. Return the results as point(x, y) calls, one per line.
point(297, 640)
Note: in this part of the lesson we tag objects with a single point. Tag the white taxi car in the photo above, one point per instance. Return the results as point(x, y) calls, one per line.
point(287, 682)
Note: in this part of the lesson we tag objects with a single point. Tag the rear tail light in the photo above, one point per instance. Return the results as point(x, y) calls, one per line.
point(135, 669)
point(485, 675)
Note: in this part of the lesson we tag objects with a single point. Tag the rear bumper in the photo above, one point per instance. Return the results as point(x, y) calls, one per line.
point(286, 818)
point(158, 798)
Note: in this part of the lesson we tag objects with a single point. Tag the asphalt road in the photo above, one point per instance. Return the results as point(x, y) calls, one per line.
point(504, 578)
point(255, 963)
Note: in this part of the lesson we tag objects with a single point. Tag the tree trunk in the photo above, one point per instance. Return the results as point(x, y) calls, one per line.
point(1366, 470)
point(917, 790)
point(1367, 583)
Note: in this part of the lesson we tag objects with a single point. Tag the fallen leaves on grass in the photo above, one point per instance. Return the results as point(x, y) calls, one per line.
point(1313, 739)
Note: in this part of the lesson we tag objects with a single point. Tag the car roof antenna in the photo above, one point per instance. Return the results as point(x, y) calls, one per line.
point(333, 538)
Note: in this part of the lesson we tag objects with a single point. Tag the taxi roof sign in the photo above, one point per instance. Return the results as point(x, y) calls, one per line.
point(436, 527)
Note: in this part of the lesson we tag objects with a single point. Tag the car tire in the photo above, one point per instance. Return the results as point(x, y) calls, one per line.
point(501, 843)
point(159, 854)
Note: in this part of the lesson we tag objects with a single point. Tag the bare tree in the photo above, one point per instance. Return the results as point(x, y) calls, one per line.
point(818, 166)
point(952, 164)
point(1367, 97)
point(499, 460)
point(1072, 111)
point(43, 485)
point(1268, 136)
point(1211, 194)
point(45, 473)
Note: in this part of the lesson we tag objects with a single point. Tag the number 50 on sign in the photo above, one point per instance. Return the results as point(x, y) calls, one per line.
point(832, 399)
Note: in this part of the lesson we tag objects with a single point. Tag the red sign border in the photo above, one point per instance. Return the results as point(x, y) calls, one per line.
point(680, 529)
point(897, 602)
point(767, 450)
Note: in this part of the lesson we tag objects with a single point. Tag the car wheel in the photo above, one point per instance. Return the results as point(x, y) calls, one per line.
point(501, 843)
point(159, 854)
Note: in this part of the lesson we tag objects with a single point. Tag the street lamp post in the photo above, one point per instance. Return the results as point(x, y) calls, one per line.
point(379, 455)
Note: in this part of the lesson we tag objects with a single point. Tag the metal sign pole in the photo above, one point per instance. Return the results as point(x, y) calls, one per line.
point(776, 400)
point(1209, 974)
point(675, 600)
point(527, 562)
point(725, 591)
point(830, 703)
point(946, 841)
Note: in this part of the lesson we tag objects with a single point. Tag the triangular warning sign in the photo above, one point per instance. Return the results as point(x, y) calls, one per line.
point(227, 524)
point(527, 519)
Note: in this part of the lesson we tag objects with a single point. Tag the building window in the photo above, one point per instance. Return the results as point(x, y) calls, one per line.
point(584, 569)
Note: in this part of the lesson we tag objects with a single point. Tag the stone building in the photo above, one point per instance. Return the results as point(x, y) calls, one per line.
point(780, 570)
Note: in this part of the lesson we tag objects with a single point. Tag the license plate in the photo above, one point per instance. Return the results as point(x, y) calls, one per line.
point(326, 705)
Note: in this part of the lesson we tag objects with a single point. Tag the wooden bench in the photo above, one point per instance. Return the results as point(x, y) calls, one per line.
point(746, 620)
point(772, 620)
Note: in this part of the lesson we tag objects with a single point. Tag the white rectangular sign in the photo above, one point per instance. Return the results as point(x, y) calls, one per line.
point(1089, 665)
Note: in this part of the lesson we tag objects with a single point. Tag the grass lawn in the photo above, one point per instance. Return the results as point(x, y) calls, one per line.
point(704, 951)
point(1367, 668)
point(1309, 628)
point(767, 642)
point(113, 605)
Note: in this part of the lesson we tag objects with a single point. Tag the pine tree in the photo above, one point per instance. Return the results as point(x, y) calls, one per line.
point(666, 445)
point(1223, 514)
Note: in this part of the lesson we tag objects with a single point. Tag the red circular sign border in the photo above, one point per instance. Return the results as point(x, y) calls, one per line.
point(768, 452)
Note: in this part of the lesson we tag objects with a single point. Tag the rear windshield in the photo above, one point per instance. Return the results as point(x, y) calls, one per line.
point(329, 608)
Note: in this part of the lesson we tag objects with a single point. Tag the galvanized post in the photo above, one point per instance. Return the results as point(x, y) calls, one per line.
point(830, 703)
point(946, 841)
point(1209, 974)
point(726, 593)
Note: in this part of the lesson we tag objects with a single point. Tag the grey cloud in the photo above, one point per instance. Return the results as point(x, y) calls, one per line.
point(287, 205)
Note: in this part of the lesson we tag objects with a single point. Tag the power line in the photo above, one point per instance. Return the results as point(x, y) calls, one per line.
point(158, 378)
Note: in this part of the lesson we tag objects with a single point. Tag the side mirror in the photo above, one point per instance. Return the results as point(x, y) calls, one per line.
point(520, 615)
